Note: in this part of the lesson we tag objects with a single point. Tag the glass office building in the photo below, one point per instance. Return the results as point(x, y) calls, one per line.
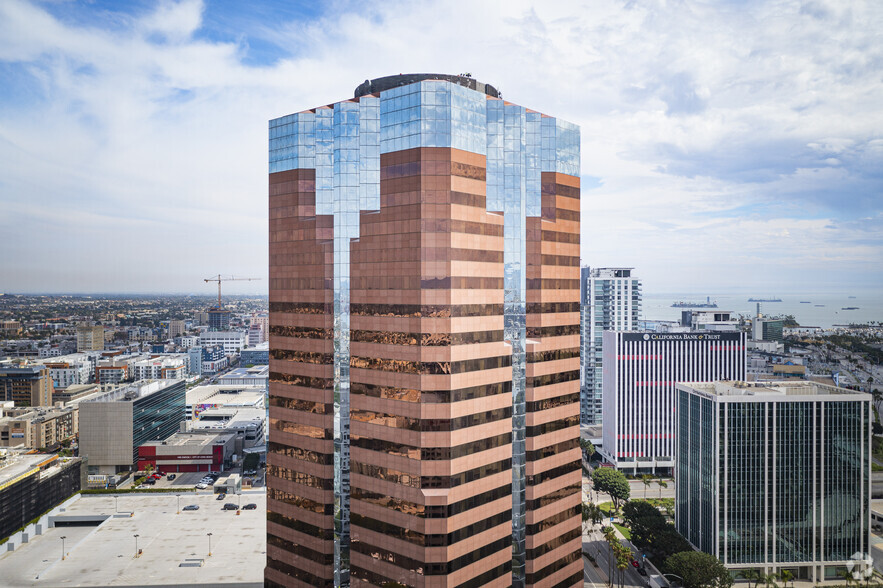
point(424, 341)
point(774, 476)
point(114, 424)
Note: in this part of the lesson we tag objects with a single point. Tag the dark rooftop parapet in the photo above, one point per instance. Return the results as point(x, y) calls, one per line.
point(388, 82)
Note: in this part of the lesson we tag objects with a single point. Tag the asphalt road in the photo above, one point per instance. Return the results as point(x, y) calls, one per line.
point(596, 577)
point(637, 491)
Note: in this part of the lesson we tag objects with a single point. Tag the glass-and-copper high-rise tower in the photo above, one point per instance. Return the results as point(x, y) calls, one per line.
point(424, 335)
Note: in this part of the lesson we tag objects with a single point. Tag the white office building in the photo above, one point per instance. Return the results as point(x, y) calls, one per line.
point(230, 341)
point(639, 398)
point(610, 300)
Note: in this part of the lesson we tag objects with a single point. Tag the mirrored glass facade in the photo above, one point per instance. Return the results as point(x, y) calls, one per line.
point(774, 475)
point(424, 267)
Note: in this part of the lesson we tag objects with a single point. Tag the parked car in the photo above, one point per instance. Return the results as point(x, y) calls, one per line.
point(191, 507)
point(172, 477)
point(230, 506)
point(250, 506)
point(221, 496)
point(150, 481)
point(201, 486)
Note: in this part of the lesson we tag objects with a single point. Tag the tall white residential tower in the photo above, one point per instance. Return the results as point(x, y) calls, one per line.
point(610, 300)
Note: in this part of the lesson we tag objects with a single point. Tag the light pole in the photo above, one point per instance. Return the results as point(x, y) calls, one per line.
point(63, 537)
point(238, 502)
point(179, 503)
point(116, 504)
point(209, 544)
point(136, 544)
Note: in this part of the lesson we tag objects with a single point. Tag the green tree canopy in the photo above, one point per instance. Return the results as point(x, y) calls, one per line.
point(613, 483)
point(699, 570)
point(651, 532)
point(587, 447)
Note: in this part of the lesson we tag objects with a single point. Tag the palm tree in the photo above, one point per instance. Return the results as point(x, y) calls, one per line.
point(752, 576)
point(770, 580)
point(662, 484)
point(646, 478)
point(597, 515)
point(787, 576)
point(587, 512)
point(623, 559)
point(610, 535)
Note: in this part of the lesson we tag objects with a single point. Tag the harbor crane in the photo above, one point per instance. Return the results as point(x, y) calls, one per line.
point(220, 279)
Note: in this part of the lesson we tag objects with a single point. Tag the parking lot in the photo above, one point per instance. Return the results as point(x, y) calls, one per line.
point(191, 479)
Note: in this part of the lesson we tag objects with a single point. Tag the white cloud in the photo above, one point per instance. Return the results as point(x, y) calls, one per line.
point(705, 122)
point(174, 21)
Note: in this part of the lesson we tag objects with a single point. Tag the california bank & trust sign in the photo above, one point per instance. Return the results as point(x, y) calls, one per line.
point(734, 336)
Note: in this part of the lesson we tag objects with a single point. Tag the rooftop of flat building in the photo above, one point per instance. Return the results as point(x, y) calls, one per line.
point(258, 371)
point(131, 392)
point(162, 360)
point(769, 389)
point(235, 417)
point(389, 82)
point(610, 272)
point(17, 465)
point(234, 394)
point(174, 547)
point(22, 370)
point(265, 346)
point(38, 413)
point(193, 440)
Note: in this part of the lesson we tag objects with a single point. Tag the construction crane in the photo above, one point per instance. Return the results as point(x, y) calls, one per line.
point(220, 279)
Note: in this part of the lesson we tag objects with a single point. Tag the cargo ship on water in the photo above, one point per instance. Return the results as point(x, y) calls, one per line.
point(707, 304)
point(764, 300)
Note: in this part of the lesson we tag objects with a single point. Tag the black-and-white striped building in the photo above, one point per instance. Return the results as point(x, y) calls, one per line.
point(639, 396)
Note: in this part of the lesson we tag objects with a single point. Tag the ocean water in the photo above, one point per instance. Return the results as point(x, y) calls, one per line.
point(657, 306)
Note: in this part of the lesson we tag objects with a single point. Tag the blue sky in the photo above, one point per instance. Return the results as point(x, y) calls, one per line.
point(724, 145)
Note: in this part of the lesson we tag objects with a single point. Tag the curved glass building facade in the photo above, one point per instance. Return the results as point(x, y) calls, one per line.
point(424, 335)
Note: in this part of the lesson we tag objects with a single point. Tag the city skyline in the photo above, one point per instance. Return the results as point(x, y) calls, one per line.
point(723, 145)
